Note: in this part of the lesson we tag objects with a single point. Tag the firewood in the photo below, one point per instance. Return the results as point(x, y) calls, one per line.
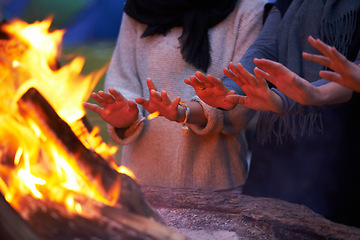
point(33, 105)
point(12, 225)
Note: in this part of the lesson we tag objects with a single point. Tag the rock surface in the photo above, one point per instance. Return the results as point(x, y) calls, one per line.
point(220, 215)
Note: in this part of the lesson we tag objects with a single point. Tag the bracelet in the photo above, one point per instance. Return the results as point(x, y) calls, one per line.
point(187, 113)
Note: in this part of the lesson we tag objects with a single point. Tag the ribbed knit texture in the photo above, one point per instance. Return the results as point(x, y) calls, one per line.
point(213, 157)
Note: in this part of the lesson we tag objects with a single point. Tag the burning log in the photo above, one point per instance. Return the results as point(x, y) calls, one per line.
point(12, 226)
point(34, 105)
point(58, 179)
point(49, 223)
point(131, 218)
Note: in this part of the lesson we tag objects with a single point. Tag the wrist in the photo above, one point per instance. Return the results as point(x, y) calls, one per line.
point(185, 119)
point(183, 113)
point(277, 103)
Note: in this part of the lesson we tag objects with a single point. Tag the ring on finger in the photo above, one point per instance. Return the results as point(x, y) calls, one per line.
point(201, 88)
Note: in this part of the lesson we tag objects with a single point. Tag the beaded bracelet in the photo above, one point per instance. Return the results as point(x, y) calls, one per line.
point(187, 113)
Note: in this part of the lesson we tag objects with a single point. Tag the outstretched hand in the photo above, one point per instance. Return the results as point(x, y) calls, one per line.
point(159, 101)
point(114, 108)
point(258, 94)
point(288, 82)
point(211, 90)
point(346, 72)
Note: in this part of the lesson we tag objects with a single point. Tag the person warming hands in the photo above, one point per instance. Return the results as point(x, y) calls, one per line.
point(157, 47)
point(308, 152)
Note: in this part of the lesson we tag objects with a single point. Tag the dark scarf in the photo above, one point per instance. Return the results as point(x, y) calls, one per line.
point(336, 22)
point(195, 16)
point(333, 21)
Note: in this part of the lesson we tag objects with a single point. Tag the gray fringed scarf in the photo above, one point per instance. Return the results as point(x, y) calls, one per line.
point(332, 21)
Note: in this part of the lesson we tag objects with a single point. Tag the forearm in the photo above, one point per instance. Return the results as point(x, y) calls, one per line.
point(327, 97)
point(333, 93)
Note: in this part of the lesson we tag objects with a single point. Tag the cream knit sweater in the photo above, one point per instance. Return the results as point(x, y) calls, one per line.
point(213, 157)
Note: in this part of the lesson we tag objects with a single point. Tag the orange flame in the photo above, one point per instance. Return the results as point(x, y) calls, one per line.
point(31, 161)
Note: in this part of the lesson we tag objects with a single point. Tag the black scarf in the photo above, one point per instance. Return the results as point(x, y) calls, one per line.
point(195, 16)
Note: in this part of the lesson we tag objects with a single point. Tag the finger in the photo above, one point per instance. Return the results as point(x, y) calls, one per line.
point(331, 76)
point(250, 78)
point(321, 46)
point(188, 82)
point(108, 98)
point(143, 102)
point(235, 69)
point(231, 92)
point(230, 74)
point(117, 95)
point(196, 83)
point(246, 77)
point(234, 75)
point(140, 100)
point(232, 98)
point(272, 68)
point(175, 103)
point(338, 57)
point(98, 98)
point(203, 79)
point(322, 60)
point(267, 65)
point(92, 107)
point(243, 100)
point(132, 105)
point(262, 75)
point(150, 84)
point(154, 96)
point(164, 98)
point(217, 83)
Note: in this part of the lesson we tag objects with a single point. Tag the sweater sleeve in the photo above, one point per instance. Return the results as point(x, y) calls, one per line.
point(122, 76)
point(230, 122)
point(265, 46)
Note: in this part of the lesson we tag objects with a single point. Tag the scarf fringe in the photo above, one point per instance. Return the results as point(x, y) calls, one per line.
point(281, 127)
point(348, 25)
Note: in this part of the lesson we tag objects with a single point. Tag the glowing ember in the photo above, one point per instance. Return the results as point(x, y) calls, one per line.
point(32, 161)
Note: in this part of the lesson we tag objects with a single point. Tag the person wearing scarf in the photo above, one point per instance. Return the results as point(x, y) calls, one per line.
point(167, 41)
point(308, 154)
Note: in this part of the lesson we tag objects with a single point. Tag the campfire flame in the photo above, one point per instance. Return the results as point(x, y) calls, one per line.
point(31, 161)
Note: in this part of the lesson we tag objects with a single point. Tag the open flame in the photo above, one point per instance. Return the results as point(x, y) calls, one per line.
point(32, 162)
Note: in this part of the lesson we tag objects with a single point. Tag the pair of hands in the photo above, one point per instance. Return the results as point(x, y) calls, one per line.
point(120, 112)
point(260, 97)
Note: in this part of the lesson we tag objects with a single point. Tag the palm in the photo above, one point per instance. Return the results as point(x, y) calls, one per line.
point(159, 102)
point(119, 114)
point(116, 110)
point(258, 94)
point(346, 73)
point(300, 91)
point(211, 90)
